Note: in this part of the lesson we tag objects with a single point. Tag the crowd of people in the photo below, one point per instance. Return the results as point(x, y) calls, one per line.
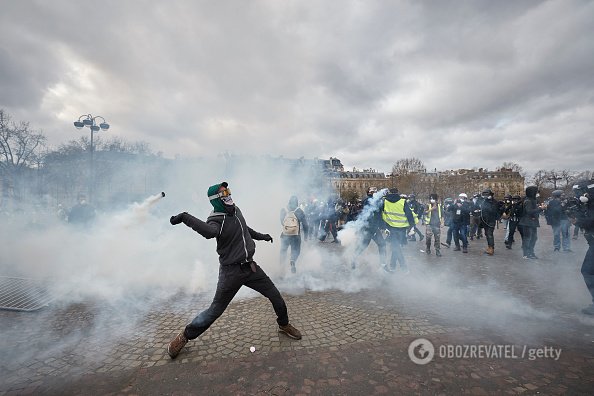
point(392, 219)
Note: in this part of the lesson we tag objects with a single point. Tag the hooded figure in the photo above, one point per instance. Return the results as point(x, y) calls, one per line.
point(529, 222)
point(294, 222)
point(216, 199)
point(236, 248)
point(531, 209)
point(584, 193)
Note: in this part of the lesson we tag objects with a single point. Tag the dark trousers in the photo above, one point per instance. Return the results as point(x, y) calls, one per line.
point(292, 241)
point(588, 266)
point(529, 237)
point(511, 230)
point(460, 231)
point(329, 227)
point(397, 239)
point(449, 235)
point(475, 226)
point(489, 235)
point(376, 236)
point(231, 278)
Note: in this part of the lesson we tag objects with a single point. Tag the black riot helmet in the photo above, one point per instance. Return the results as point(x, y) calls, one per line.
point(583, 188)
point(487, 192)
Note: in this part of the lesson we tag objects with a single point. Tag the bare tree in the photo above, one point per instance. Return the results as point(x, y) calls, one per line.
point(553, 177)
point(512, 166)
point(539, 179)
point(21, 150)
point(567, 177)
point(407, 172)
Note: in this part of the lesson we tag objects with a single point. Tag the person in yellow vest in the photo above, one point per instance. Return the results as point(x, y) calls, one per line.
point(432, 220)
point(399, 220)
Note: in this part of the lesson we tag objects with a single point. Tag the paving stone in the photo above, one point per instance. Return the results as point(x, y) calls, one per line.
point(354, 342)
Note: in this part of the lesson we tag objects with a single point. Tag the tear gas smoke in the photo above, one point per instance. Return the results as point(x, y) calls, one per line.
point(350, 234)
point(132, 257)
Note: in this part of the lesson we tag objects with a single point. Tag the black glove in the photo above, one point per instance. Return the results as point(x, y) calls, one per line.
point(268, 238)
point(175, 220)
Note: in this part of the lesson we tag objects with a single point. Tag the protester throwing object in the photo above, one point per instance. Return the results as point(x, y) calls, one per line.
point(236, 248)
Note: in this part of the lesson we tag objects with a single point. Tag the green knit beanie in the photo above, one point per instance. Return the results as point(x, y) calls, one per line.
point(216, 203)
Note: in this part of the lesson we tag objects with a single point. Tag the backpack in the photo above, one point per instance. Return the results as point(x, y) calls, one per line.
point(290, 224)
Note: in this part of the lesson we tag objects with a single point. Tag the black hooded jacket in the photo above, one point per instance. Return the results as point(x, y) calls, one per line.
point(531, 210)
point(235, 240)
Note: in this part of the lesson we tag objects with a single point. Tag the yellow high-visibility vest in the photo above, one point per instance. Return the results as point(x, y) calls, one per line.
point(428, 214)
point(393, 214)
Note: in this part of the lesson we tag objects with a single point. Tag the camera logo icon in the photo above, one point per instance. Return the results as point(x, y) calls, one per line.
point(421, 351)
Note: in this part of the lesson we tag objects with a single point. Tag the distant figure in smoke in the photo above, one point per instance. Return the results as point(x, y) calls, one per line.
point(557, 218)
point(417, 210)
point(490, 213)
point(61, 213)
point(529, 221)
point(294, 223)
point(236, 248)
point(515, 213)
point(460, 221)
point(506, 210)
point(82, 213)
point(398, 218)
point(447, 221)
point(371, 227)
point(311, 215)
point(329, 222)
point(432, 219)
point(476, 230)
point(584, 192)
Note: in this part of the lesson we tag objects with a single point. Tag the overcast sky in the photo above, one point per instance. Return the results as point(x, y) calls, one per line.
point(457, 84)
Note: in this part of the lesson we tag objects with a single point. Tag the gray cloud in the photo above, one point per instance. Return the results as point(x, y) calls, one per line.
point(455, 84)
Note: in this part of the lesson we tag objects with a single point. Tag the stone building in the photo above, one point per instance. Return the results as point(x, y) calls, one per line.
point(502, 181)
point(354, 184)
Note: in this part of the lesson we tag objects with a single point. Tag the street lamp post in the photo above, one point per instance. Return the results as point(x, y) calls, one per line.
point(87, 120)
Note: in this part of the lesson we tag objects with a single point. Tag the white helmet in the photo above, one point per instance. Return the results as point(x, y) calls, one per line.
point(463, 195)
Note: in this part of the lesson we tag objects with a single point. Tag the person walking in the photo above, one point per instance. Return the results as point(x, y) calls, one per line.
point(294, 223)
point(370, 217)
point(447, 221)
point(432, 218)
point(461, 221)
point(557, 218)
point(529, 222)
point(584, 192)
point(399, 218)
point(475, 227)
point(490, 210)
point(236, 248)
point(417, 211)
point(515, 213)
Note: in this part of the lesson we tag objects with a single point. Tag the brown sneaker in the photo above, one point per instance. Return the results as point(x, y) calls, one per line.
point(176, 345)
point(290, 331)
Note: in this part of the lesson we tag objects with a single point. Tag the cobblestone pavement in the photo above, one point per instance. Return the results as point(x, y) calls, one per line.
point(355, 341)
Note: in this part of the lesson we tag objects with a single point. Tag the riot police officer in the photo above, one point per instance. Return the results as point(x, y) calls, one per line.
point(584, 218)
